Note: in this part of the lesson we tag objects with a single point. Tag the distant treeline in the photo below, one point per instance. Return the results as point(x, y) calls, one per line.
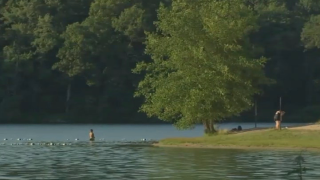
point(186, 61)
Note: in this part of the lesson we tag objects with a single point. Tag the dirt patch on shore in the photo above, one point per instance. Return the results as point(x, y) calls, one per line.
point(307, 127)
point(297, 127)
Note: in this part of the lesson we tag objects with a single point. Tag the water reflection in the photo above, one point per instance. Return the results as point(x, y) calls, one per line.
point(110, 160)
point(230, 164)
point(300, 169)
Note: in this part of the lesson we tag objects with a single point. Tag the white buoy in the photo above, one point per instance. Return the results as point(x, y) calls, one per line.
point(5, 139)
point(19, 139)
point(77, 139)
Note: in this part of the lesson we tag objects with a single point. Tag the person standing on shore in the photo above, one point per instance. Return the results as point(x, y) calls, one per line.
point(278, 118)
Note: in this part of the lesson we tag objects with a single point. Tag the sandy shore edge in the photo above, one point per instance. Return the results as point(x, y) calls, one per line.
point(202, 146)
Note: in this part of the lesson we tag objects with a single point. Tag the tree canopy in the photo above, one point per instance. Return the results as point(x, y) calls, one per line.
point(203, 69)
point(186, 61)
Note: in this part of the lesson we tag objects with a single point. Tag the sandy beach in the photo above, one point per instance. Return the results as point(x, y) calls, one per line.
point(202, 146)
point(310, 126)
point(307, 127)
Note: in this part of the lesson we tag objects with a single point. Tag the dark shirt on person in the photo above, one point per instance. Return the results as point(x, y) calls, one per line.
point(277, 117)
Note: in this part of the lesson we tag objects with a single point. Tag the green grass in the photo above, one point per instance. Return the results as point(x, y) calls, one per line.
point(285, 138)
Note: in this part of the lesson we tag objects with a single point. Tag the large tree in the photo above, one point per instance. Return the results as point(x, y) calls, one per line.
point(202, 68)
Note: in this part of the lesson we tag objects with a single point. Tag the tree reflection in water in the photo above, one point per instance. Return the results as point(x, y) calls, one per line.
point(300, 169)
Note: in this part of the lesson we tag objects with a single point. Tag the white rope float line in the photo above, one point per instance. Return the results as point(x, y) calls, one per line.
point(144, 140)
point(77, 139)
point(41, 144)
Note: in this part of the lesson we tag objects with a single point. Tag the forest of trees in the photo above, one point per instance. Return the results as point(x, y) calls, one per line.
point(183, 61)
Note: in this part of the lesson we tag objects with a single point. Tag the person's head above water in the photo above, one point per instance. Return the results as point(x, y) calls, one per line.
point(91, 130)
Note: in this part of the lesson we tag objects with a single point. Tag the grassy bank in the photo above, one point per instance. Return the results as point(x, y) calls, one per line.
point(269, 138)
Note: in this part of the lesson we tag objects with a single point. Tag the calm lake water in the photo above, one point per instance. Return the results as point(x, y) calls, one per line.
point(119, 153)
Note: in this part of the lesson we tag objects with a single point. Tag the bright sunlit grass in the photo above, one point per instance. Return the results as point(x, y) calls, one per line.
point(261, 138)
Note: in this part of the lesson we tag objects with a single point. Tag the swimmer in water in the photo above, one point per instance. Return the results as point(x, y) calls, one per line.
point(91, 135)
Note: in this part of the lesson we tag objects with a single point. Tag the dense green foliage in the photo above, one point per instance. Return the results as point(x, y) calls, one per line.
point(201, 70)
point(200, 61)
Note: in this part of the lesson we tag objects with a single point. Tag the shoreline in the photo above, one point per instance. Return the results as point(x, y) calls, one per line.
point(214, 142)
point(202, 146)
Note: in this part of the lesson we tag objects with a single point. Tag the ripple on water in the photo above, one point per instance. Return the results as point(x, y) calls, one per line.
point(125, 160)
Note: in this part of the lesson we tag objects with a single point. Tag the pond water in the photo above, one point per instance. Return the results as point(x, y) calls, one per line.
point(119, 153)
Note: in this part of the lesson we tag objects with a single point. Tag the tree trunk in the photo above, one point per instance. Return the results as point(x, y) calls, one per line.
point(309, 66)
point(205, 125)
point(208, 127)
point(68, 97)
point(16, 80)
point(212, 130)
